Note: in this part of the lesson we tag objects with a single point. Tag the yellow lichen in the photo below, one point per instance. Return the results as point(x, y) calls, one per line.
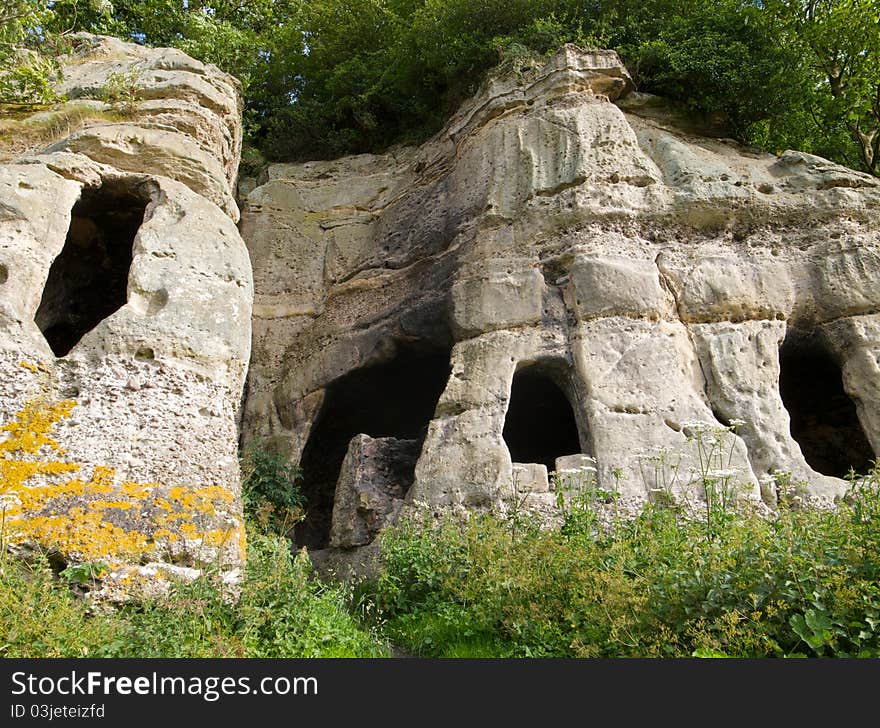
point(98, 519)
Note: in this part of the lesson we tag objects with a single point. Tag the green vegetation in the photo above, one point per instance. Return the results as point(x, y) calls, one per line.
point(729, 582)
point(282, 612)
point(805, 583)
point(21, 130)
point(25, 74)
point(328, 77)
point(270, 493)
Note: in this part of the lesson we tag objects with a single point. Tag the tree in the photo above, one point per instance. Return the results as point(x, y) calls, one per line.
point(328, 77)
point(840, 43)
point(25, 75)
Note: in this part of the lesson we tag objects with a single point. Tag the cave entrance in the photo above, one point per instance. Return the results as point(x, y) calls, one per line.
point(396, 398)
point(824, 421)
point(540, 425)
point(88, 281)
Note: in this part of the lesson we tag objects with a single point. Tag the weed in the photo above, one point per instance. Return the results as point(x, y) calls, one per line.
point(732, 583)
point(122, 90)
point(270, 492)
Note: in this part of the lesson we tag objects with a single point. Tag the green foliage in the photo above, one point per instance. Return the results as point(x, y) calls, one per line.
point(717, 57)
point(327, 77)
point(804, 583)
point(283, 611)
point(270, 493)
point(286, 612)
point(85, 573)
point(39, 618)
point(837, 114)
point(122, 90)
point(28, 81)
point(25, 75)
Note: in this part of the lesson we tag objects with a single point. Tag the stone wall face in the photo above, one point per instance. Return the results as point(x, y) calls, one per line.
point(570, 277)
point(127, 289)
point(565, 225)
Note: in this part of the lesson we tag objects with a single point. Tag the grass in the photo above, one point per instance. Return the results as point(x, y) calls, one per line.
point(800, 583)
point(713, 581)
point(282, 612)
point(23, 131)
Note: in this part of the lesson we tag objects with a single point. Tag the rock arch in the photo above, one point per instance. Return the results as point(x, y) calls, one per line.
point(824, 421)
point(394, 399)
point(540, 424)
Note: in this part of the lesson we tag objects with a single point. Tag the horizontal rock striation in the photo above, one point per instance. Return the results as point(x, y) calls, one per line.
point(127, 290)
point(561, 225)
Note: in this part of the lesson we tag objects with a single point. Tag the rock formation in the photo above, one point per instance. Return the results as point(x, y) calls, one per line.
point(568, 268)
point(127, 290)
point(571, 277)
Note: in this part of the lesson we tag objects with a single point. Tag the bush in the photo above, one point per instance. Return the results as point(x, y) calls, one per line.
point(282, 612)
point(270, 493)
point(805, 583)
point(39, 617)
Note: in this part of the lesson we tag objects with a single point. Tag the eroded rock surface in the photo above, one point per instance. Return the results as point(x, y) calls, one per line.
point(373, 481)
point(563, 225)
point(127, 289)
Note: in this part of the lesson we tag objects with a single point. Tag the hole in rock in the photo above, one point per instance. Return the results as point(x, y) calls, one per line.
point(824, 421)
point(88, 280)
point(722, 420)
point(540, 425)
point(396, 398)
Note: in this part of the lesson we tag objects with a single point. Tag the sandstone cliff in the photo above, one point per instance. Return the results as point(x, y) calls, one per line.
point(563, 243)
point(569, 276)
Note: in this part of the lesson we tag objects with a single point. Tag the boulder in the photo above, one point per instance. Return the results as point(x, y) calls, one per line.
point(375, 477)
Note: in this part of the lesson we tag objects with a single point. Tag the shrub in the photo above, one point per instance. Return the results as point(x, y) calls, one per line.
point(270, 491)
point(803, 583)
point(282, 612)
point(122, 90)
point(39, 617)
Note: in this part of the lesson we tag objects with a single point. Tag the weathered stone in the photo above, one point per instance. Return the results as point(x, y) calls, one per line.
point(496, 299)
point(573, 472)
point(530, 478)
point(616, 286)
point(560, 223)
point(375, 476)
point(668, 286)
point(157, 372)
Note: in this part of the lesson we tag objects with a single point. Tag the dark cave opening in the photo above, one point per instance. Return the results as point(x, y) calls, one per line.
point(824, 421)
point(88, 281)
point(540, 425)
point(396, 398)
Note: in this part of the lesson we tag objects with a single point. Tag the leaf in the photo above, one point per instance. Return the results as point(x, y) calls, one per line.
point(708, 652)
point(799, 625)
point(817, 621)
